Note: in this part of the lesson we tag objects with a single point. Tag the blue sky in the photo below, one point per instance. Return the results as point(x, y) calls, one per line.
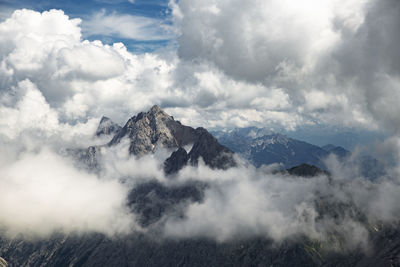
point(155, 10)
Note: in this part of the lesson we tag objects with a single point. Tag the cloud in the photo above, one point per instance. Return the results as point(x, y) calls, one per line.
point(245, 202)
point(126, 26)
point(51, 194)
point(238, 64)
point(80, 79)
point(44, 193)
point(367, 63)
point(336, 62)
point(252, 41)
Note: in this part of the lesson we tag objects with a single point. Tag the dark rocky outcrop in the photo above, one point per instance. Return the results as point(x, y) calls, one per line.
point(140, 250)
point(213, 153)
point(151, 200)
point(207, 148)
point(306, 170)
point(176, 161)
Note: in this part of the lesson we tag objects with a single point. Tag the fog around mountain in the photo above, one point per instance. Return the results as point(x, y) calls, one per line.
point(65, 180)
point(241, 201)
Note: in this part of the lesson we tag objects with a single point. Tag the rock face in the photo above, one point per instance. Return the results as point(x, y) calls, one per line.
point(147, 130)
point(213, 153)
point(306, 170)
point(155, 128)
point(152, 200)
point(107, 127)
point(87, 158)
point(3, 263)
point(207, 148)
point(176, 161)
point(275, 148)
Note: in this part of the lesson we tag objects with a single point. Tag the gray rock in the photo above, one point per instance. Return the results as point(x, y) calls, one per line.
point(87, 158)
point(176, 161)
point(107, 127)
point(213, 153)
point(3, 262)
point(154, 128)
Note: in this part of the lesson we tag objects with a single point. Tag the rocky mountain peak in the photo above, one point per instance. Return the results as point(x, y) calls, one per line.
point(211, 151)
point(156, 109)
point(154, 128)
point(107, 127)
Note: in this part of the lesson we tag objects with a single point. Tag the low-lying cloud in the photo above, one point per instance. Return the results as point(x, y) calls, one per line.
point(43, 193)
point(46, 191)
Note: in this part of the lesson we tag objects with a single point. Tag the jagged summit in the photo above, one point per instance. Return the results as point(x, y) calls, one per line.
point(147, 130)
point(107, 127)
point(155, 128)
point(156, 109)
point(206, 147)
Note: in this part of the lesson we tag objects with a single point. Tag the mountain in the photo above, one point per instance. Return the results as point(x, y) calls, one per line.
point(107, 127)
point(148, 131)
point(151, 201)
point(339, 151)
point(260, 146)
point(306, 170)
point(207, 148)
point(262, 149)
point(140, 250)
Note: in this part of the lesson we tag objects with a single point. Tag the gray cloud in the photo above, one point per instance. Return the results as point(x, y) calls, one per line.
point(338, 63)
point(250, 65)
point(368, 62)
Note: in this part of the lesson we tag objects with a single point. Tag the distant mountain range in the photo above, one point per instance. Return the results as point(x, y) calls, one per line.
point(262, 147)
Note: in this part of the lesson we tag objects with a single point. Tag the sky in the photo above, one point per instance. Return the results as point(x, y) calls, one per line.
point(219, 64)
point(309, 67)
point(150, 14)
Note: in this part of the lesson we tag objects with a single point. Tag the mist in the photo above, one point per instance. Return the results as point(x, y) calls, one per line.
point(55, 86)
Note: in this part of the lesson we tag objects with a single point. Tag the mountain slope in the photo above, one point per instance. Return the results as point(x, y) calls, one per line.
point(262, 149)
point(152, 200)
point(107, 127)
point(148, 130)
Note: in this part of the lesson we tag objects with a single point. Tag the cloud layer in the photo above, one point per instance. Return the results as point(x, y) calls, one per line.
point(237, 64)
point(270, 63)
